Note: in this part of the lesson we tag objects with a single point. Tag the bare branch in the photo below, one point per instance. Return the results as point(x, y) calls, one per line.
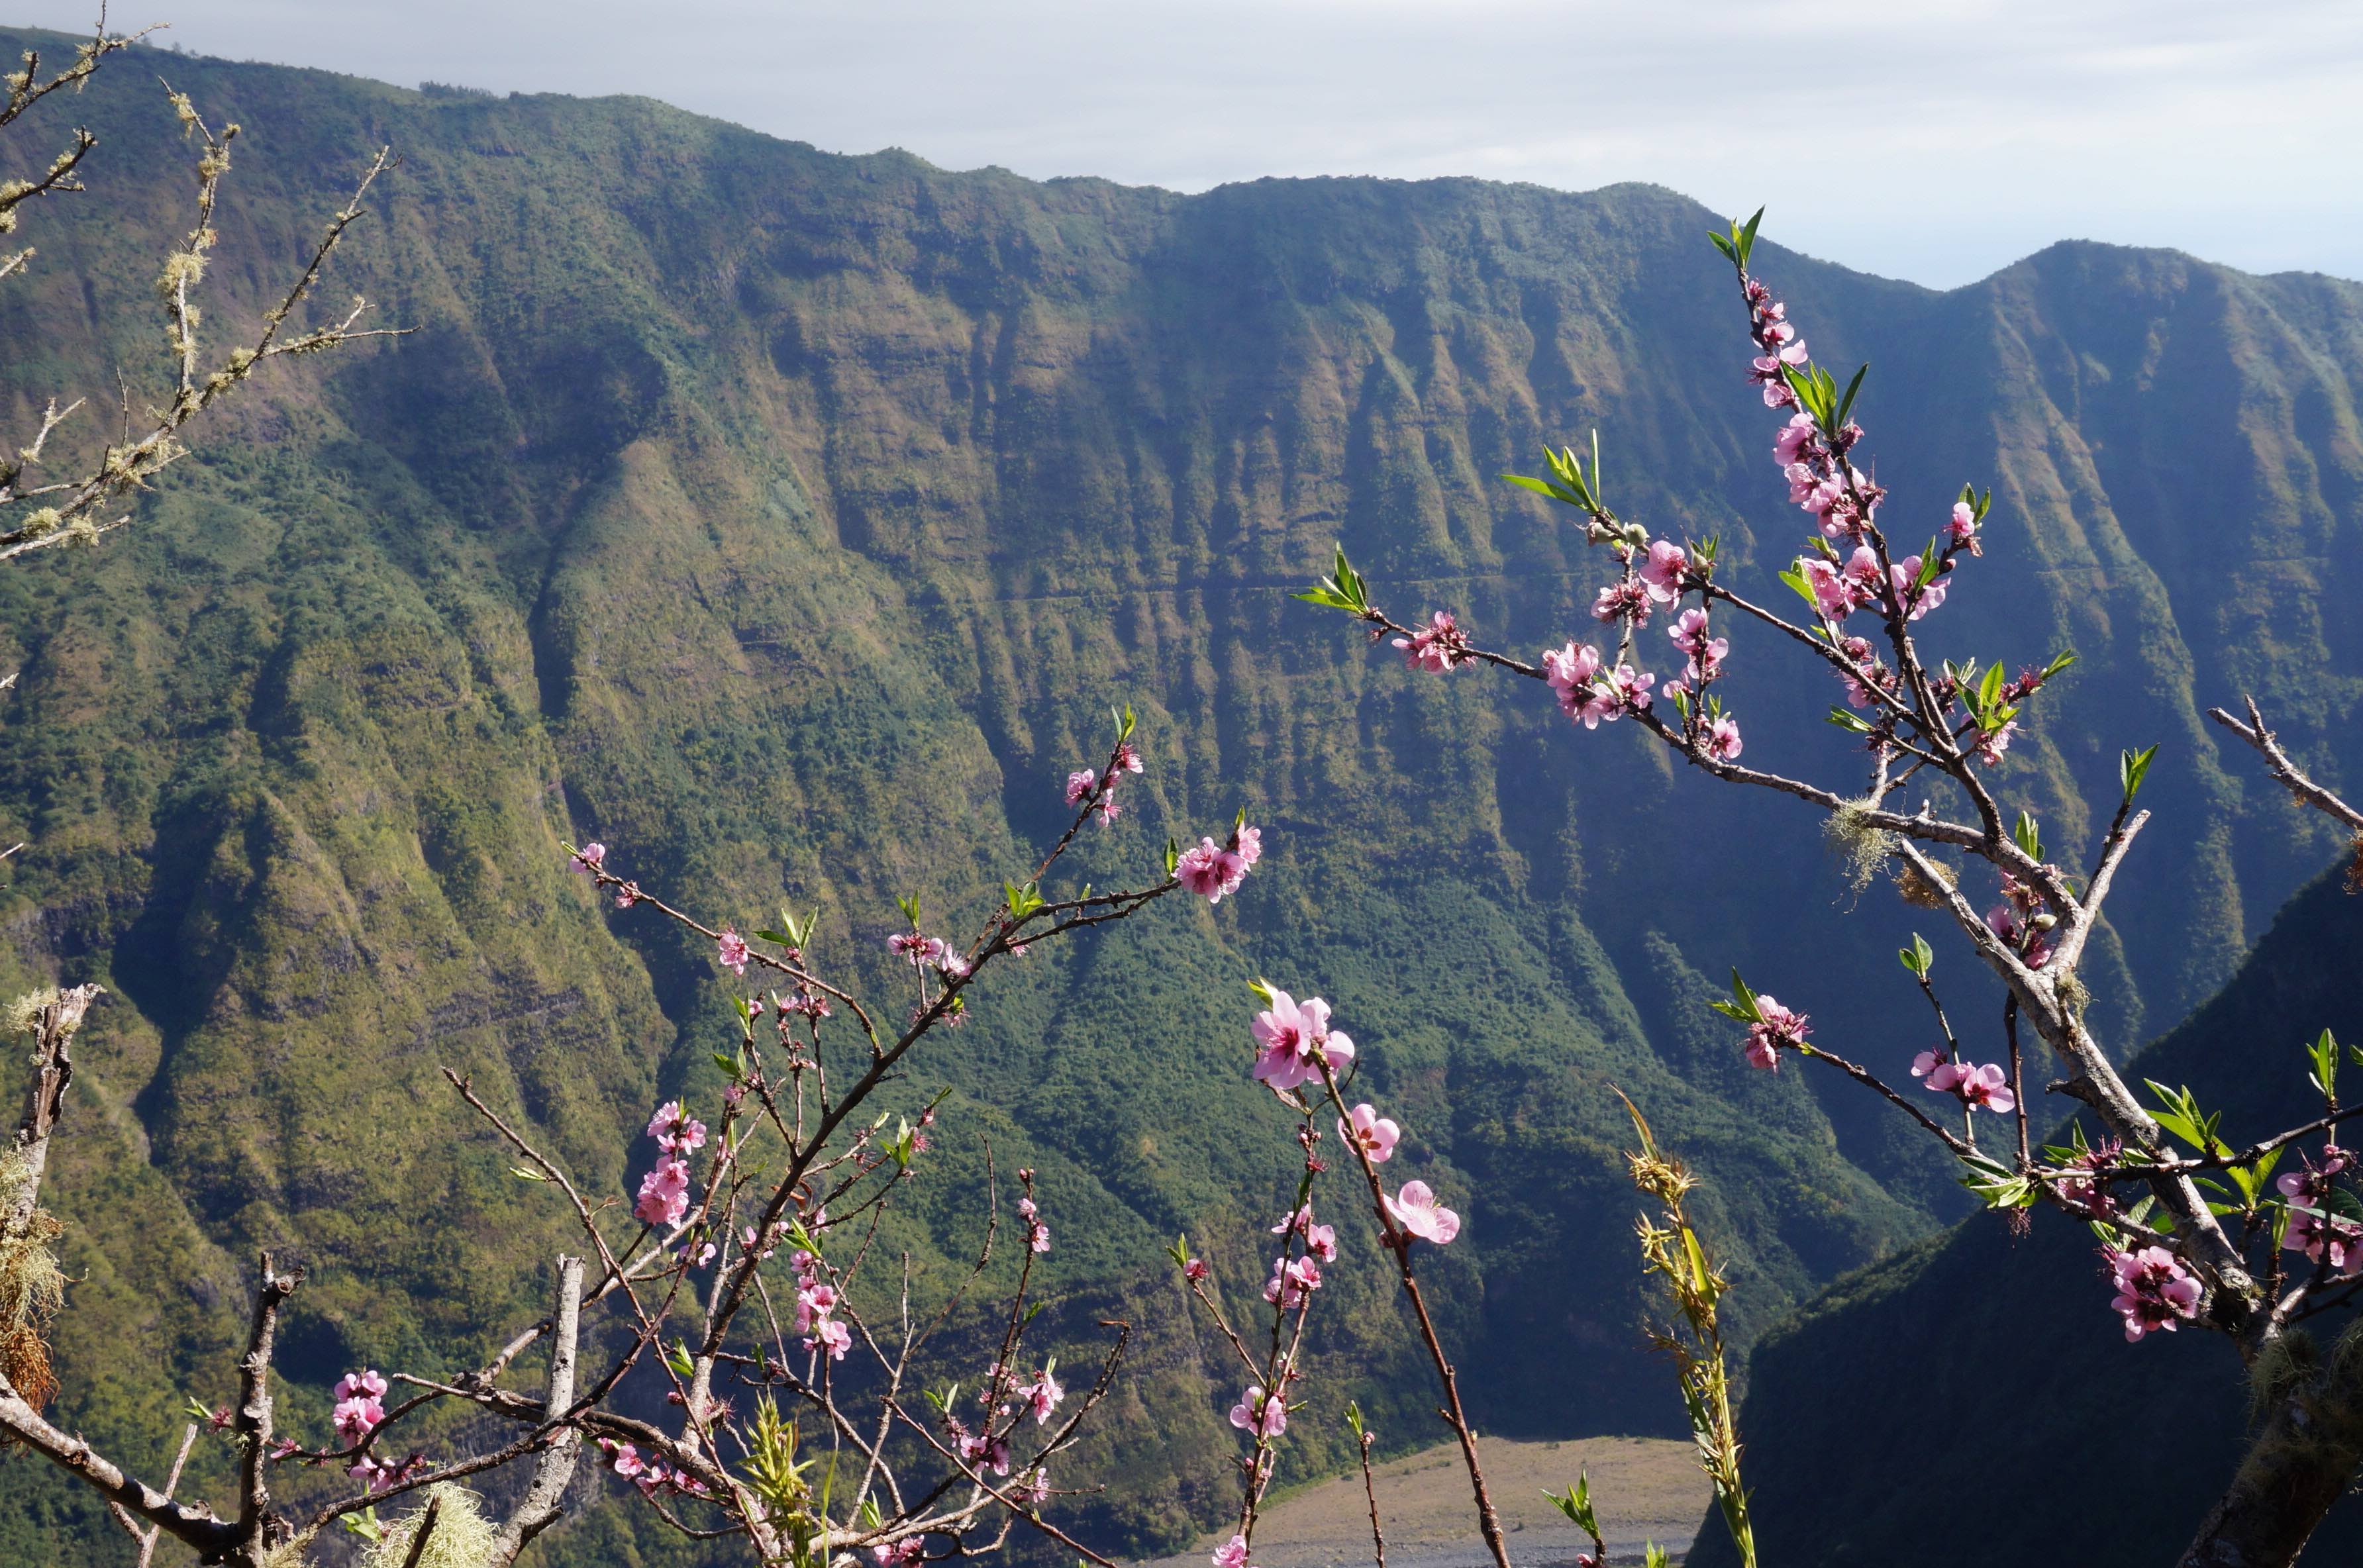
point(547, 1496)
point(2291, 776)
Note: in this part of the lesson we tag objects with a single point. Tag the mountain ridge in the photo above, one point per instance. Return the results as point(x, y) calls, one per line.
point(787, 520)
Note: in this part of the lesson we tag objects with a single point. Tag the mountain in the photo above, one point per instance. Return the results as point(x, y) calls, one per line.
point(790, 522)
point(1982, 1365)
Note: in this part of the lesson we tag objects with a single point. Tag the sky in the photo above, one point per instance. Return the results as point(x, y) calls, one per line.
point(1929, 140)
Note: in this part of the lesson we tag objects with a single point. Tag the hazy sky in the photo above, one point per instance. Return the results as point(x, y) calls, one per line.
point(1931, 139)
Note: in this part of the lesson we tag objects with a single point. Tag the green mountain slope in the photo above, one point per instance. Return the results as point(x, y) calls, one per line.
point(788, 521)
point(1968, 1365)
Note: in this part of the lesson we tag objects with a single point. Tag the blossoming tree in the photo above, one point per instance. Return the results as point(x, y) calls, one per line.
point(2195, 1230)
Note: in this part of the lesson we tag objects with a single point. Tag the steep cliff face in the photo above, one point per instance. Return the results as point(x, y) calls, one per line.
point(790, 521)
point(1983, 1357)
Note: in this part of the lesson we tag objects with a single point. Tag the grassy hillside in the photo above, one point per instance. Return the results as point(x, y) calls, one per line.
point(788, 521)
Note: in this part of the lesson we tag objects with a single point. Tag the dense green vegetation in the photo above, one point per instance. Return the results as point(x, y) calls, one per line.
point(789, 521)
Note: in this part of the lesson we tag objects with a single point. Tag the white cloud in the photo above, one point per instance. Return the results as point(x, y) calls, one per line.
point(1934, 140)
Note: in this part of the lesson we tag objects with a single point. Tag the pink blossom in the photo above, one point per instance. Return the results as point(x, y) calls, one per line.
point(1986, 1088)
point(1080, 785)
point(366, 1385)
point(2325, 1238)
point(626, 1456)
point(1991, 744)
point(676, 1132)
point(589, 859)
point(1723, 738)
point(664, 1194)
point(1196, 1270)
point(899, 1554)
point(1626, 600)
point(1632, 689)
point(1574, 676)
point(1833, 593)
point(1662, 571)
point(356, 1417)
point(1126, 758)
point(1963, 528)
point(1434, 648)
point(1232, 1553)
point(1904, 575)
point(831, 1334)
point(814, 1302)
point(1255, 1412)
point(1376, 1135)
point(1417, 1213)
point(730, 951)
point(2153, 1290)
point(1794, 437)
point(1292, 1280)
point(1247, 842)
point(1043, 1394)
point(1780, 1026)
point(1211, 870)
point(1291, 1034)
point(1928, 1061)
point(982, 1449)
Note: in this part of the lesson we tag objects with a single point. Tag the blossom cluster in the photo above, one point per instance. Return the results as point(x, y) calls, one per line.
point(1980, 1089)
point(1085, 786)
point(2332, 1242)
point(1435, 647)
point(1213, 870)
point(650, 1476)
point(924, 951)
point(2154, 1290)
point(664, 1191)
point(2023, 921)
point(1774, 1027)
point(816, 1303)
point(1293, 1045)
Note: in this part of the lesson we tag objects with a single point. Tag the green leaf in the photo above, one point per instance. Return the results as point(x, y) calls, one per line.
point(1747, 237)
point(1545, 488)
point(1846, 405)
point(1848, 719)
point(676, 1355)
point(1931, 563)
point(526, 1174)
point(2027, 836)
point(1919, 957)
point(1745, 999)
point(1796, 580)
point(2324, 1052)
point(2058, 663)
point(1990, 688)
point(1342, 590)
point(1022, 901)
point(1173, 857)
point(1730, 251)
point(1997, 1185)
point(2132, 767)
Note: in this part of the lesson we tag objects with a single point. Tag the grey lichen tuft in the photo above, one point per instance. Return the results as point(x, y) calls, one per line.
point(32, 1286)
point(1862, 846)
point(463, 1538)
